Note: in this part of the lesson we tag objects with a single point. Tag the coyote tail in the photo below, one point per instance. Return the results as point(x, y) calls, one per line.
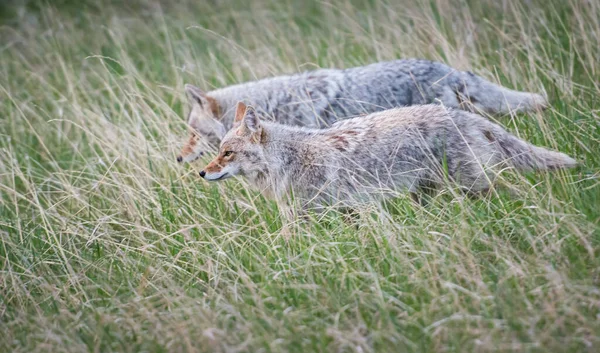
point(495, 99)
point(527, 157)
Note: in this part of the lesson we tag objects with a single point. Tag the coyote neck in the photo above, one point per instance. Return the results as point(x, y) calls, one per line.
point(289, 154)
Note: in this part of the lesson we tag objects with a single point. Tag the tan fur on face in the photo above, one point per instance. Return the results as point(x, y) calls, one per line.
point(221, 160)
point(215, 165)
point(240, 111)
point(189, 146)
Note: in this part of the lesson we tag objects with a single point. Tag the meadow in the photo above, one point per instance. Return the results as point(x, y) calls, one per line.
point(107, 244)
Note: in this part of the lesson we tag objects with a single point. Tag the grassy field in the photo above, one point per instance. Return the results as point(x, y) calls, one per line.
point(108, 245)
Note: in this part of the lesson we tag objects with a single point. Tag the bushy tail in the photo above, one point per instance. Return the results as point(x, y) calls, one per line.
point(527, 157)
point(494, 99)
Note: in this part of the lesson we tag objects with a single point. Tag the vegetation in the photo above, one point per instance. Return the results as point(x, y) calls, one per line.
point(107, 244)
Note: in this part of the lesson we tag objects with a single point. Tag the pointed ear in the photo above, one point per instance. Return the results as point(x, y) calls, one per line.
point(250, 120)
point(247, 121)
point(195, 94)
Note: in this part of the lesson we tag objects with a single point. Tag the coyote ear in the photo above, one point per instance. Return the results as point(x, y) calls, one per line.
point(251, 121)
point(195, 94)
point(247, 119)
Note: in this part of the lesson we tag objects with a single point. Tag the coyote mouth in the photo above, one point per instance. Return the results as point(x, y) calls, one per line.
point(221, 177)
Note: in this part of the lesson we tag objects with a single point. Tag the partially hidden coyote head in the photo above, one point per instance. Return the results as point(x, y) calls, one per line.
point(242, 150)
point(206, 131)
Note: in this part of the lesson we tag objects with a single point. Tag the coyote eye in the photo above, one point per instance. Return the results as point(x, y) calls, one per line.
point(227, 153)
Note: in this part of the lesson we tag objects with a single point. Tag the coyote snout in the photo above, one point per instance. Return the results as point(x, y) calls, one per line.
point(214, 177)
point(222, 167)
point(193, 150)
point(187, 158)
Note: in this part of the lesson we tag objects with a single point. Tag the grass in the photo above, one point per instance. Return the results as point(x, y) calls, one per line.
point(107, 244)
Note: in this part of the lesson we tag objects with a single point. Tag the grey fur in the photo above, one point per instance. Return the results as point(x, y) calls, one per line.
point(399, 149)
point(319, 98)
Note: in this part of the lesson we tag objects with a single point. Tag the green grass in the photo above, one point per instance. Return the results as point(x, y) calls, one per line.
point(107, 244)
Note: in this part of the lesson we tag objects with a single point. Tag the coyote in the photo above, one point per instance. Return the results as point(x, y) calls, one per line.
point(318, 98)
point(401, 149)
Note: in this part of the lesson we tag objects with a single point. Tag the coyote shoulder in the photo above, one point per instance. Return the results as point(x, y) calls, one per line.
point(318, 98)
point(398, 149)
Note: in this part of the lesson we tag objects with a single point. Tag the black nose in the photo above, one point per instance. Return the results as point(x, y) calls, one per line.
point(179, 159)
point(202, 173)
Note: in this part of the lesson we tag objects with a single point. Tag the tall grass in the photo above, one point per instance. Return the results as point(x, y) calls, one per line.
point(107, 244)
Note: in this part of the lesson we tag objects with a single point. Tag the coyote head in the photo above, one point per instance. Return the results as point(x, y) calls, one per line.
point(205, 130)
point(241, 151)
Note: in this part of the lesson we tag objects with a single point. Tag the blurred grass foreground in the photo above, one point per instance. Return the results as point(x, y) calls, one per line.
point(108, 245)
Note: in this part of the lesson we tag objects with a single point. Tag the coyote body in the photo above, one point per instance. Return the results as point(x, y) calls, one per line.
point(406, 148)
point(317, 99)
